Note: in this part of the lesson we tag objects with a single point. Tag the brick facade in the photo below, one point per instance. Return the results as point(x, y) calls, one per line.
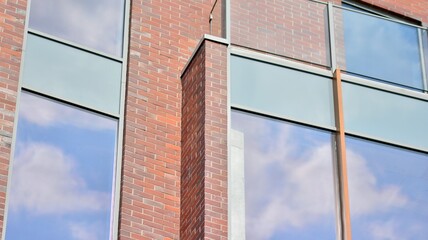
point(163, 35)
point(204, 149)
point(174, 179)
point(290, 28)
point(415, 9)
point(12, 23)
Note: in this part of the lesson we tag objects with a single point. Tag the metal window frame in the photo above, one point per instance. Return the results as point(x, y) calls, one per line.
point(118, 161)
point(342, 197)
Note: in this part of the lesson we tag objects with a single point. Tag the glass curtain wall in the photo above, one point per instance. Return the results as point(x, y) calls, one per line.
point(285, 175)
point(62, 180)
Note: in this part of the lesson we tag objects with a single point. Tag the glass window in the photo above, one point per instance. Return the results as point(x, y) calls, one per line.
point(378, 49)
point(62, 173)
point(71, 74)
point(386, 116)
point(289, 189)
point(296, 29)
point(388, 191)
point(96, 24)
point(281, 91)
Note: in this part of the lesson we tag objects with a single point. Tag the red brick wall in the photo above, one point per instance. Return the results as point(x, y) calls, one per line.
point(295, 29)
point(204, 138)
point(215, 141)
point(416, 9)
point(193, 152)
point(12, 18)
point(163, 34)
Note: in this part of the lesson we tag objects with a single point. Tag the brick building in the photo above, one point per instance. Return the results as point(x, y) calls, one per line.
point(213, 119)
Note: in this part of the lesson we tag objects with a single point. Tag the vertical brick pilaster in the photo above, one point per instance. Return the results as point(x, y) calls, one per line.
point(163, 34)
point(12, 24)
point(204, 142)
point(193, 149)
point(215, 141)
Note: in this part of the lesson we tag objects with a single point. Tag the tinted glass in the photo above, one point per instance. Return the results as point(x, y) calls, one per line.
point(71, 74)
point(296, 29)
point(388, 191)
point(377, 48)
point(289, 189)
point(386, 116)
point(281, 91)
point(62, 173)
point(96, 24)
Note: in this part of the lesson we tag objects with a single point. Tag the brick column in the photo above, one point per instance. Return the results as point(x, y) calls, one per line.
point(12, 24)
point(204, 144)
point(163, 34)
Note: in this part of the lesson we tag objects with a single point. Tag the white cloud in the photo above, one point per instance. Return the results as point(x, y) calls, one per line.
point(305, 197)
point(367, 197)
point(44, 181)
point(93, 23)
point(85, 231)
point(388, 230)
point(44, 112)
point(291, 186)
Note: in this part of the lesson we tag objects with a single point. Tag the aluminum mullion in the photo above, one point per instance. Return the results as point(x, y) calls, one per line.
point(345, 220)
point(330, 16)
point(423, 67)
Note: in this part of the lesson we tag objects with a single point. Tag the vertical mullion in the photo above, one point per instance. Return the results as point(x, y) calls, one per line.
point(341, 157)
point(331, 36)
point(422, 59)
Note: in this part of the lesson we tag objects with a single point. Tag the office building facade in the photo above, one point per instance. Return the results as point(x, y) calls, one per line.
point(214, 119)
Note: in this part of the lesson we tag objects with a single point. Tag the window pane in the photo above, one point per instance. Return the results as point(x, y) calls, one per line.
point(386, 116)
point(289, 189)
point(92, 23)
point(276, 90)
point(71, 74)
point(377, 48)
point(62, 174)
point(388, 191)
point(295, 29)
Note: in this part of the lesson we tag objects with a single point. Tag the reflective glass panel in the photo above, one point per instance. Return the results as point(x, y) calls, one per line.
point(92, 23)
point(71, 74)
point(388, 191)
point(289, 188)
point(378, 49)
point(296, 29)
point(281, 91)
point(385, 116)
point(62, 173)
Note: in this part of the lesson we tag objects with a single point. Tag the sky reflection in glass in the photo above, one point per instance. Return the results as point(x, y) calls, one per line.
point(382, 49)
point(388, 191)
point(92, 23)
point(289, 189)
point(62, 173)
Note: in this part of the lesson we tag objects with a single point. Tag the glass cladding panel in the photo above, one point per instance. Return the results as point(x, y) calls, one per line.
point(91, 23)
point(272, 26)
point(289, 188)
point(388, 191)
point(386, 116)
point(281, 91)
point(62, 173)
point(71, 74)
point(379, 49)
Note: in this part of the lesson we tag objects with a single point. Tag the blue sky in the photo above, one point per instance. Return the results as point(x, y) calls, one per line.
point(289, 185)
point(288, 180)
point(91, 23)
point(62, 173)
point(382, 49)
point(394, 207)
